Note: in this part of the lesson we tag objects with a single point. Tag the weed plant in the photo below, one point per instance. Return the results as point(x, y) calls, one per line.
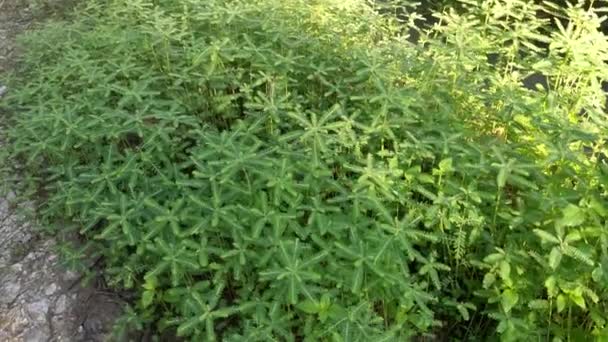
point(291, 170)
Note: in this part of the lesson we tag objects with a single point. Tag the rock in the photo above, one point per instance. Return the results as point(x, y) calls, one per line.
point(50, 289)
point(70, 276)
point(38, 310)
point(17, 268)
point(60, 305)
point(10, 290)
point(35, 336)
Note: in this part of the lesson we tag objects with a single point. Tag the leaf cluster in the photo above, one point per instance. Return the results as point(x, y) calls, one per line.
point(283, 170)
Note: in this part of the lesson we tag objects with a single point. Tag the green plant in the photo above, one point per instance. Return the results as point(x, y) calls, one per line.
point(285, 170)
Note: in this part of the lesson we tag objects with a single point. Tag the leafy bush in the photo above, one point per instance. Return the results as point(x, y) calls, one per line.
point(276, 170)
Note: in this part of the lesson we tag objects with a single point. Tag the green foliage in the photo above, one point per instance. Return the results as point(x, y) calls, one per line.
point(284, 170)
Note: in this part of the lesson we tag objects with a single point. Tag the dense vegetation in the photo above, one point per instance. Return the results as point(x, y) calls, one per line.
point(285, 170)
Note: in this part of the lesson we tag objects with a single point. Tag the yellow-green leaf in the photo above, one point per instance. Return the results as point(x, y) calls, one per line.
point(578, 299)
point(488, 280)
point(573, 237)
point(446, 165)
point(551, 285)
point(463, 312)
point(545, 237)
point(561, 303)
point(597, 274)
point(555, 257)
point(538, 304)
point(572, 216)
point(509, 299)
point(505, 270)
point(147, 298)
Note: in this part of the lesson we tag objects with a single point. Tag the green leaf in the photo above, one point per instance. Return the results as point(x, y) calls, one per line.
point(147, 298)
point(599, 207)
point(591, 295)
point(292, 291)
point(488, 280)
point(505, 270)
point(445, 165)
point(325, 301)
point(308, 306)
point(501, 178)
point(224, 312)
point(578, 299)
point(336, 337)
point(561, 303)
point(203, 258)
point(150, 283)
point(493, 258)
point(538, 304)
point(509, 299)
point(598, 275)
point(573, 237)
point(502, 326)
point(577, 254)
point(188, 326)
point(425, 178)
point(463, 312)
point(357, 280)
point(551, 285)
point(555, 257)
point(337, 312)
point(545, 237)
point(572, 216)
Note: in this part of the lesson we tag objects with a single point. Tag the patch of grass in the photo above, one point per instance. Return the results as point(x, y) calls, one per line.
point(296, 170)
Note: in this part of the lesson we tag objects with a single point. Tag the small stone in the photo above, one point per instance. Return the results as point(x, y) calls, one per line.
point(3, 90)
point(17, 267)
point(10, 290)
point(70, 276)
point(60, 305)
point(50, 289)
point(36, 335)
point(31, 256)
point(38, 309)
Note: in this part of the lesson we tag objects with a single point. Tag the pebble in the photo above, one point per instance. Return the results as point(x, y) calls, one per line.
point(50, 289)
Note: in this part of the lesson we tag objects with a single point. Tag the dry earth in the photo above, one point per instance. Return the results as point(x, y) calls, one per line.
point(39, 299)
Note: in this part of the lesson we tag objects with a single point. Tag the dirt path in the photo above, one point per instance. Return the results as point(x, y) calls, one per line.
point(39, 299)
